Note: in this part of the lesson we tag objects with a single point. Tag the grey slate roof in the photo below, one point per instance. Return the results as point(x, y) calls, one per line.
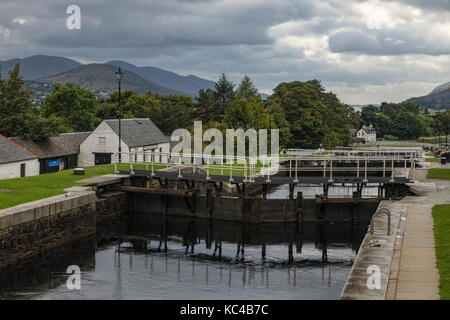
point(11, 152)
point(138, 132)
point(62, 145)
point(368, 130)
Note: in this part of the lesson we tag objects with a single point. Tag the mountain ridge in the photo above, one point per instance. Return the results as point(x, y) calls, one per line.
point(41, 71)
point(101, 79)
point(38, 66)
point(190, 84)
point(437, 99)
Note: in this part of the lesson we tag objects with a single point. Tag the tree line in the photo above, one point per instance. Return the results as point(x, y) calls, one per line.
point(404, 121)
point(305, 113)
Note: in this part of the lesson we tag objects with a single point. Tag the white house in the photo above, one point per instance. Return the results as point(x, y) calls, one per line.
point(137, 135)
point(16, 161)
point(368, 134)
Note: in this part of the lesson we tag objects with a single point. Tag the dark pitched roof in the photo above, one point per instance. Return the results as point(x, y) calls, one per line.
point(369, 130)
point(138, 132)
point(11, 152)
point(62, 145)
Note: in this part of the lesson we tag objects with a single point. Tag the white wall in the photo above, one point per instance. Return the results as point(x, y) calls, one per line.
point(372, 137)
point(165, 148)
point(91, 145)
point(12, 169)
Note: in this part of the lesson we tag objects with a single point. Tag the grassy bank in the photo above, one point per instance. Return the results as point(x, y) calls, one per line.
point(438, 173)
point(441, 216)
point(432, 160)
point(22, 190)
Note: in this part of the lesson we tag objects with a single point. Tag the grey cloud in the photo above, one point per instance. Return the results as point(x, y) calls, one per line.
point(429, 4)
point(160, 23)
point(204, 37)
point(403, 40)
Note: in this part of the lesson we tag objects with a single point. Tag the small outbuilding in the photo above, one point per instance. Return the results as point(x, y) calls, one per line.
point(137, 135)
point(55, 153)
point(16, 161)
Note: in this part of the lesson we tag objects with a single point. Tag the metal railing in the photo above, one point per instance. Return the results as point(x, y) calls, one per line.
point(263, 166)
point(401, 153)
point(381, 210)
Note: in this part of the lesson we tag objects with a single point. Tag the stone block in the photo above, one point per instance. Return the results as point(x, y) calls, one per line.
point(66, 205)
point(6, 220)
point(24, 216)
point(42, 211)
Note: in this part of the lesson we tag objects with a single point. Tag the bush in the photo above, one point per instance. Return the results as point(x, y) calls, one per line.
point(390, 137)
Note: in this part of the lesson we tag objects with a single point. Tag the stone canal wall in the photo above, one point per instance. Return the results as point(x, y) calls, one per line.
point(31, 230)
point(368, 278)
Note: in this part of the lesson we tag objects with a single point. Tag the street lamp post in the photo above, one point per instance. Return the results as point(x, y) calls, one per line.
point(446, 129)
point(270, 118)
point(270, 125)
point(119, 75)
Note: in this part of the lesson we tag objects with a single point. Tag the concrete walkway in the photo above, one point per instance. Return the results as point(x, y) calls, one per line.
point(414, 273)
point(406, 258)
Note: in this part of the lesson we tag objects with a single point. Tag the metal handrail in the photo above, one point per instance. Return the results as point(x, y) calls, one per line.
point(381, 210)
point(252, 167)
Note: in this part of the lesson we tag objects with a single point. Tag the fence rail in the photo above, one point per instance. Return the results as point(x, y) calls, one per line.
point(264, 166)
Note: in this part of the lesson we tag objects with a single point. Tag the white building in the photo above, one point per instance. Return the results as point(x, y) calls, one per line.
point(137, 135)
point(368, 134)
point(16, 161)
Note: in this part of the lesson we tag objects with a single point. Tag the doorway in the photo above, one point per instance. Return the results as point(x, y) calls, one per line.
point(102, 158)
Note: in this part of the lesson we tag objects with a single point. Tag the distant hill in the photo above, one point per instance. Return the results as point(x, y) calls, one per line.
point(442, 86)
point(42, 72)
point(189, 84)
point(39, 66)
point(101, 79)
point(438, 99)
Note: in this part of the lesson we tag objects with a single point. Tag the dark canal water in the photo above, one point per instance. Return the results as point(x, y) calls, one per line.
point(182, 258)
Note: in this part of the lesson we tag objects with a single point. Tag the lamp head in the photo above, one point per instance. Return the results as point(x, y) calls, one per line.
point(119, 74)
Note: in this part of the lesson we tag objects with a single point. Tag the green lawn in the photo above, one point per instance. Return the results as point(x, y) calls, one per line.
point(438, 173)
point(441, 216)
point(22, 190)
point(432, 160)
point(429, 154)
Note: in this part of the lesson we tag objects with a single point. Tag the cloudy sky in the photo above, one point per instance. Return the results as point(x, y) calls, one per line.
point(365, 51)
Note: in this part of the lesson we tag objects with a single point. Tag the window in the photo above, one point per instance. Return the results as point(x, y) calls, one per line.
point(102, 141)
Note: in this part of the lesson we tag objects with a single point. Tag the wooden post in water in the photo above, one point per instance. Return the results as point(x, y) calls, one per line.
point(264, 190)
point(263, 251)
point(299, 204)
point(299, 235)
point(291, 255)
point(291, 191)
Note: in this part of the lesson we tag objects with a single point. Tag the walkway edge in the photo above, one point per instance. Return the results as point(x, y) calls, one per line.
point(369, 277)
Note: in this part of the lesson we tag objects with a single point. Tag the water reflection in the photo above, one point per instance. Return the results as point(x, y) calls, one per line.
point(182, 258)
